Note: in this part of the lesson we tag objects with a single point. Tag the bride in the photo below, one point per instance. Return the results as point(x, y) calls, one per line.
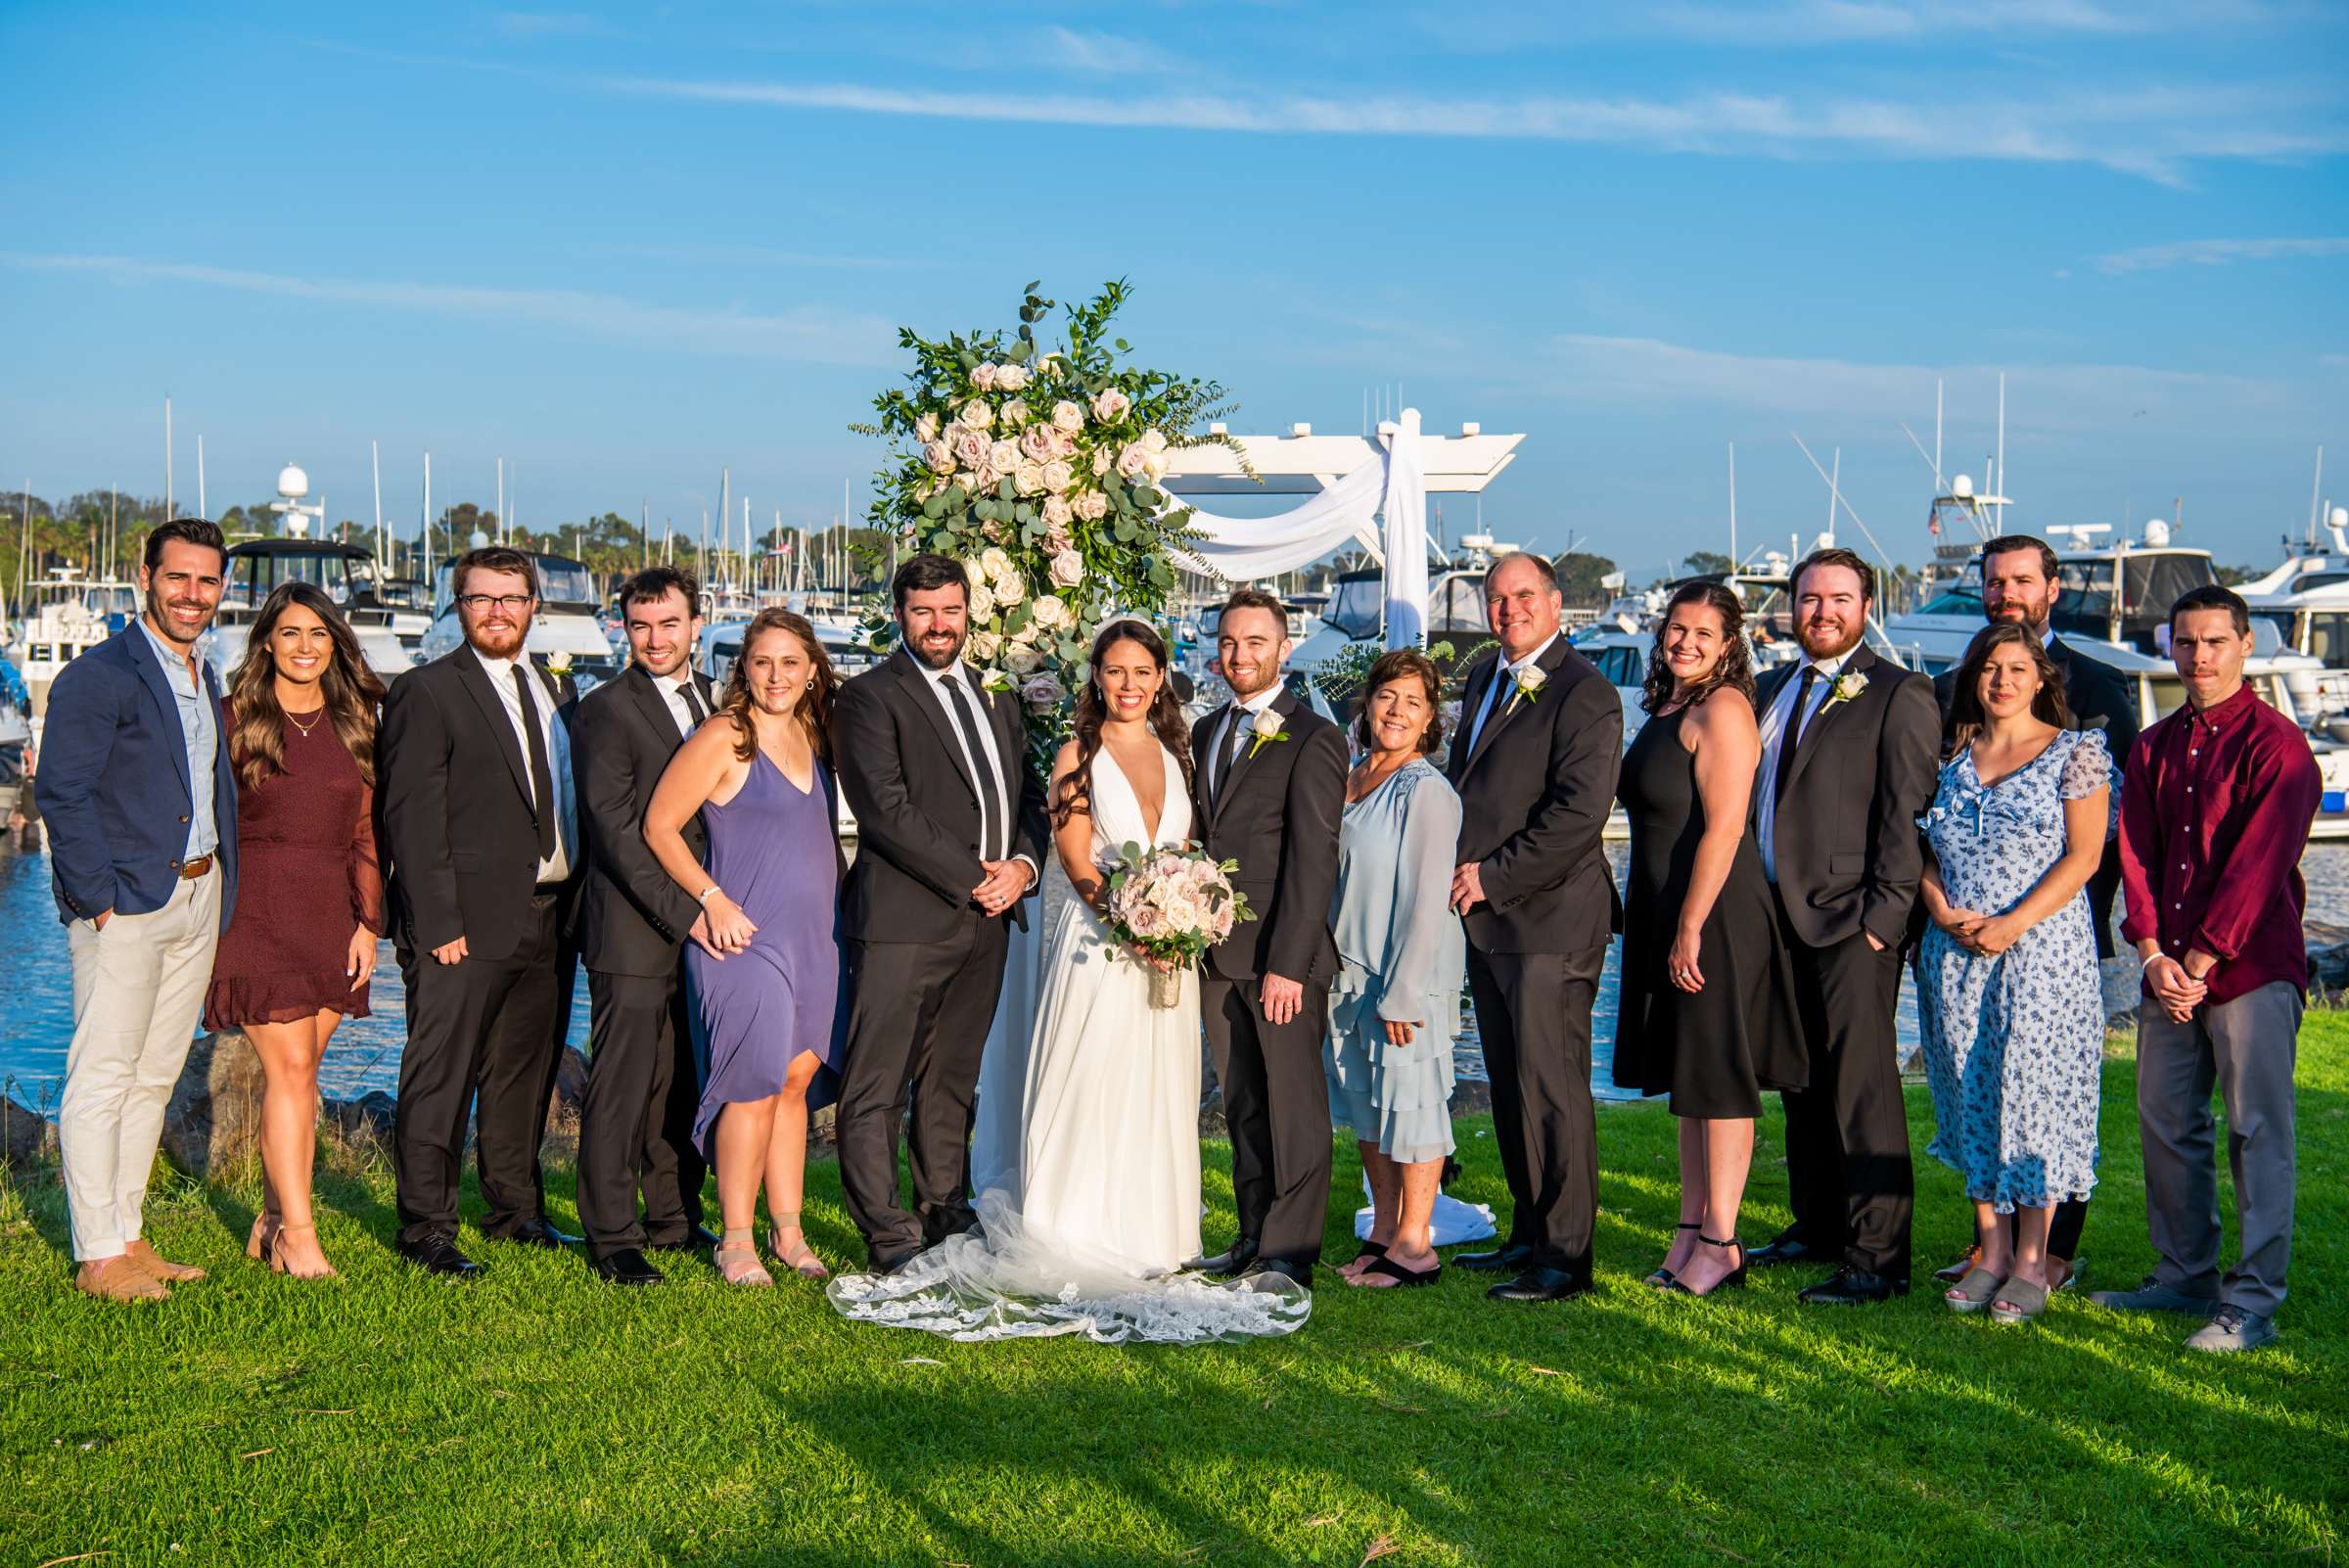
point(1090, 1193)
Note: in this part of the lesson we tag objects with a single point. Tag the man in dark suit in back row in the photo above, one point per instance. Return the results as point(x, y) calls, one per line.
point(636, 1124)
point(2019, 584)
point(482, 826)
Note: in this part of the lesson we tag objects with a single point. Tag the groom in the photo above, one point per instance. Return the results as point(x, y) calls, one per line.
point(1270, 784)
point(951, 836)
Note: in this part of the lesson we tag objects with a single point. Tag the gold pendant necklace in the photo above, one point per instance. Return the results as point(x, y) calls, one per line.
point(295, 719)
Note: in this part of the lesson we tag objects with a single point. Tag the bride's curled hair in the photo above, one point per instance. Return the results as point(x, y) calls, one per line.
point(1076, 793)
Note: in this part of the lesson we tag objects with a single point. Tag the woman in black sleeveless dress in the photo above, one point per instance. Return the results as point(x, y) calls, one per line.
point(1706, 1013)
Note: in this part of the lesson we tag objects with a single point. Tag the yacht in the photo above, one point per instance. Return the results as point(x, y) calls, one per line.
point(65, 616)
point(343, 573)
point(564, 636)
point(2306, 600)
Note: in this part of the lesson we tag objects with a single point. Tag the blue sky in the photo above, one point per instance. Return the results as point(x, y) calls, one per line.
point(624, 247)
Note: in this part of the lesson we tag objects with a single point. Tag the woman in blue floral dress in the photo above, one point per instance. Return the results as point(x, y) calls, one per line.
point(2012, 1004)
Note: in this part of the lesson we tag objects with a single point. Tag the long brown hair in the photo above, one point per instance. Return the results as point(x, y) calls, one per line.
point(1735, 666)
point(353, 693)
point(1165, 718)
point(1967, 716)
point(816, 704)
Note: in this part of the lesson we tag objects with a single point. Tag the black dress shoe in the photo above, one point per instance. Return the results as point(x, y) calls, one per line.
point(1230, 1263)
point(1785, 1249)
point(1299, 1274)
point(1542, 1282)
point(1511, 1259)
point(1539, 1283)
point(538, 1233)
point(1851, 1286)
point(439, 1255)
point(626, 1267)
point(699, 1236)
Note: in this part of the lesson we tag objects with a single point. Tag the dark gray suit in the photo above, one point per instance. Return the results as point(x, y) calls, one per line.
point(1536, 788)
point(1847, 860)
point(636, 1123)
point(1274, 809)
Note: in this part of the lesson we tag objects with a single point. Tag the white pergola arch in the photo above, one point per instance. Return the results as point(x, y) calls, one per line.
point(1367, 490)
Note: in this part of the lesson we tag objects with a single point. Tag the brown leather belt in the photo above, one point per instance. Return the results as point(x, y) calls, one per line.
point(202, 866)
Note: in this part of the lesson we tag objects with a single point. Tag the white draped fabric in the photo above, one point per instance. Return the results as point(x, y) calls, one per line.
point(1243, 549)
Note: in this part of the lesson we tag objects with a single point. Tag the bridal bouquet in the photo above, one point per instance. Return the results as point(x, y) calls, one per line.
point(1172, 904)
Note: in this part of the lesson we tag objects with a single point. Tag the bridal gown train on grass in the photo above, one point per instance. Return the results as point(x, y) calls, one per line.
point(1087, 1156)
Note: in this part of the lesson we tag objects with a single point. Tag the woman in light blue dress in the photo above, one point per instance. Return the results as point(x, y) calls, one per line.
point(2011, 1008)
point(1395, 1007)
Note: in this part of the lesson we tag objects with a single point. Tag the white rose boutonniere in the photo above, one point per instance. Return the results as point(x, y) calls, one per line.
point(1265, 726)
point(1848, 685)
point(558, 663)
point(1529, 681)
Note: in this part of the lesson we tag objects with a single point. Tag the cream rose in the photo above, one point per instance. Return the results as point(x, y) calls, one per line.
point(1021, 658)
point(971, 448)
point(1068, 416)
point(1068, 570)
point(1130, 460)
point(1015, 413)
point(1010, 588)
point(1051, 613)
point(1110, 404)
point(1154, 440)
point(1011, 378)
point(983, 601)
point(939, 458)
point(1057, 518)
point(975, 415)
point(1037, 445)
point(1057, 477)
point(993, 565)
point(982, 646)
point(983, 376)
point(1154, 466)
point(926, 428)
point(1004, 456)
point(1030, 478)
point(1101, 461)
point(1057, 540)
point(1093, 506)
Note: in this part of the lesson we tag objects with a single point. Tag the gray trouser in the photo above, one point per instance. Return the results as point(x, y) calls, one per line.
point(138, 990)
point(2246, 1048)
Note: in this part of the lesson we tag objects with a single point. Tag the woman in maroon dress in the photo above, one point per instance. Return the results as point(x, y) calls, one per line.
point(299, 949)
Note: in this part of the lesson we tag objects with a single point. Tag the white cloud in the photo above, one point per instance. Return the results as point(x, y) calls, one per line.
point(2217, 253)
point(2149, 133)
point(806, 335)
point(1103, 52)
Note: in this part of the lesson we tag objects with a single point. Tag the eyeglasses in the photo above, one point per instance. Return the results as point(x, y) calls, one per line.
point(477, 603)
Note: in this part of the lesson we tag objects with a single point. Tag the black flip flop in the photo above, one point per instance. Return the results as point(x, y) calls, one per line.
point(1389, 1268)
point(1370, 1250)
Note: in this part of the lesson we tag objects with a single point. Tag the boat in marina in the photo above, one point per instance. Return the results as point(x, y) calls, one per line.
point(343, 573)
point(65, 614)
point(564, 636)
point(2306, 600)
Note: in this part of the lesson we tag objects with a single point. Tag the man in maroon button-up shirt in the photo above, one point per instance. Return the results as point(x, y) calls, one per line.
point(2215, 810)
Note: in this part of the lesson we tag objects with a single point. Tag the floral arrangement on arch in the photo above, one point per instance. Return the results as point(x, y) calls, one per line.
point(1038, 469)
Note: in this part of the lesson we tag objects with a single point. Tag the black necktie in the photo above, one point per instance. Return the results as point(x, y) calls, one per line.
point(1792, 734)
point(543, 778)
point(692, 702)
point(991, 804)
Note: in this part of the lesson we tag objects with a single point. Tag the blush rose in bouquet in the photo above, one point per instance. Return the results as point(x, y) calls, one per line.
point(1170, 906)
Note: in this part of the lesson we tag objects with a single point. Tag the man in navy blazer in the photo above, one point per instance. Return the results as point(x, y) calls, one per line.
point(141, 802)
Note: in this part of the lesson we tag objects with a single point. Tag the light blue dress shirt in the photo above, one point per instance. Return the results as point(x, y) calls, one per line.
point(200, 733)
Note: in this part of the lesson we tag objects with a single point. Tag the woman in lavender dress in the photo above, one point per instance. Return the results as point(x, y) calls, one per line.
point(765, 969)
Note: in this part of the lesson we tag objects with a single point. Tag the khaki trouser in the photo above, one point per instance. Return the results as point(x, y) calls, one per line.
point(138, 990)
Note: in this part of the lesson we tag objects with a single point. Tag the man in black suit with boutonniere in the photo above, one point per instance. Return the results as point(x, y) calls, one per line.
point(1849, 742)
point(1270, 786)
point(482, 823)
point(1535, 762)
point(636, 1123)
point(950, 840)
point(2019, 584)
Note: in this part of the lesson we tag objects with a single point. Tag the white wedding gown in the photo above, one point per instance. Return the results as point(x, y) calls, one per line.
point(1088, 1153)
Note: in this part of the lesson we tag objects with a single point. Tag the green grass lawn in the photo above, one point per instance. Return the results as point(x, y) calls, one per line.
point(538, 1416)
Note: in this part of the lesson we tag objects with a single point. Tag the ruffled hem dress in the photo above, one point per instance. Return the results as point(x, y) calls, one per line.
point(1402, 956)
point(307, 879)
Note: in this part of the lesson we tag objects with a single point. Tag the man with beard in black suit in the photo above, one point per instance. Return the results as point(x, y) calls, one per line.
point(1849, 742)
